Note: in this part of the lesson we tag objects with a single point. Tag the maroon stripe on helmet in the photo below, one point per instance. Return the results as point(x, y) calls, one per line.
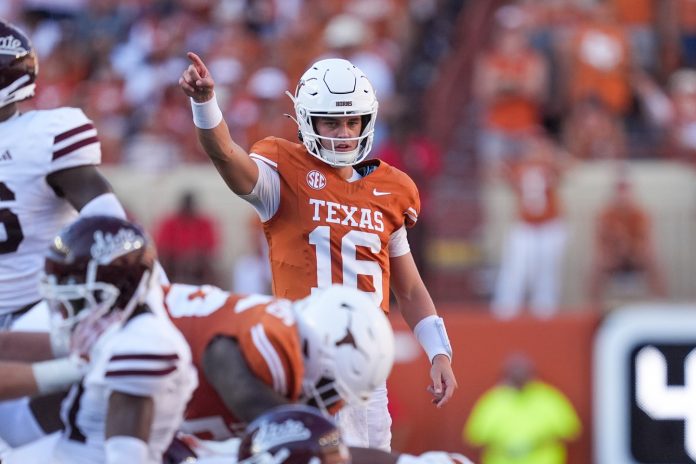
point(140, 372)
point(145, 357)
point(74, 146)
point(73, 131)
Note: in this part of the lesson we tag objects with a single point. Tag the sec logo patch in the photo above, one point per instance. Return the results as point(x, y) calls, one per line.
point(316, 180)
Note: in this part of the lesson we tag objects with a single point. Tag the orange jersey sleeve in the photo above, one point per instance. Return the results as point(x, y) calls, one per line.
point(265, 332)
point(328, 230)
point(266, 150)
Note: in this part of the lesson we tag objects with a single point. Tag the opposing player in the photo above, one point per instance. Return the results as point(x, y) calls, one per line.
point(139, 375)
point(256, 352)
point(329, 215)
point(47, 175)
point(298, 434)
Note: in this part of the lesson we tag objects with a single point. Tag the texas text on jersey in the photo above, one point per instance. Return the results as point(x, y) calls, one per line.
point(346, 227)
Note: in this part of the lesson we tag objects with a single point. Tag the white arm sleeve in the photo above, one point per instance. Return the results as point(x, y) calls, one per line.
point(265, 197)
point(105, 204)
point(398, 243)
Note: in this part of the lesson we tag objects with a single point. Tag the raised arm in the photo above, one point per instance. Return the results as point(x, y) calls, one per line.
point(232, 161)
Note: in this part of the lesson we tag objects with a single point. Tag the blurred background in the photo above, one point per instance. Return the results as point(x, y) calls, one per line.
point(553, 143)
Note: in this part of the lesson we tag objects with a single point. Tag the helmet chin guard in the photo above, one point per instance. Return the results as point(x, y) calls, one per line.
point(335, 88)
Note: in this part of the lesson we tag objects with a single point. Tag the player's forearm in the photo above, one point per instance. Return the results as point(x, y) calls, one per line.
point(419, 312)
point(234, 165)
point(16, 380)
point(25, 346)
point(23, 379)
point(415, 305)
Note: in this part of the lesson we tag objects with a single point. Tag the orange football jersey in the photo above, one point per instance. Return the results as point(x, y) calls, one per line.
point(267, 336)
point(328, 230)
point(536, 187)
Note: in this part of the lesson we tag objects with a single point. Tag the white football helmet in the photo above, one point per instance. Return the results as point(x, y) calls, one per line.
point(335, 87)
point(348, 345)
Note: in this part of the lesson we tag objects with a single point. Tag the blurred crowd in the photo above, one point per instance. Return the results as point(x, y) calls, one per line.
point(120, 60)
point(609, 79)
point(552, 83)
point(561, 83)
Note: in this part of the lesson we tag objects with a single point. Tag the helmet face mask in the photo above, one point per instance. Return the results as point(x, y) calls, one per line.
point(98, 269)
point(323, 395)
point(335, 88)
point(18, 65)
point(72, 302)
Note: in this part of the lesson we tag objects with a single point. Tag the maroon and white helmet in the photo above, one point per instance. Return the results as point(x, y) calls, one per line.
point(292, 434)
point(18, 65)
point(97, 266)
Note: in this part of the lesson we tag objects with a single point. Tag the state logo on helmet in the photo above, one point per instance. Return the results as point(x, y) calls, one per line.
point(18, 65)
point(292, 434)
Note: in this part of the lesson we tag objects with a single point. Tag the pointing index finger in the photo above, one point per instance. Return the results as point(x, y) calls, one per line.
point(198, 63)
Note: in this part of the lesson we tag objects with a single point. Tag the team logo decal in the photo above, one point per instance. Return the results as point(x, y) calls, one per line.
point(108, 247)
point(271, 435)
point(316, 180)
point(10, 45)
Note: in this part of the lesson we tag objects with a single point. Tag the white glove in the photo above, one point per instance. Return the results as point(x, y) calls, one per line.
point(434, 457)
point(58, 374)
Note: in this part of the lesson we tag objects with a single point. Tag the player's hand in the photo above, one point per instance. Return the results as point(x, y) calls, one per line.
point(444, 382)
point(87, 332)
point(196, 81)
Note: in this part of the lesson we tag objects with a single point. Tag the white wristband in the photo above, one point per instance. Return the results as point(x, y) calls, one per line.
point(122, 448)
point(57, 374)
point(105, 204)
point(432, 336)
point(206, 115)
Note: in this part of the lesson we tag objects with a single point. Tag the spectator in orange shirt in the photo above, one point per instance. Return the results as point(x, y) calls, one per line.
point(639, 19)
point(623, 243)
point(531, 259)
point(600, 61)
point(187, 242)
point(510, 84)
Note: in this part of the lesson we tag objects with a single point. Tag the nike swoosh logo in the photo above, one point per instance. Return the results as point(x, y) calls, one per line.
point(377, 193)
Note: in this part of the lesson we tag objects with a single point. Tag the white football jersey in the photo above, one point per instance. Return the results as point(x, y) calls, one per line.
point(146, 357)
point(33, 145)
